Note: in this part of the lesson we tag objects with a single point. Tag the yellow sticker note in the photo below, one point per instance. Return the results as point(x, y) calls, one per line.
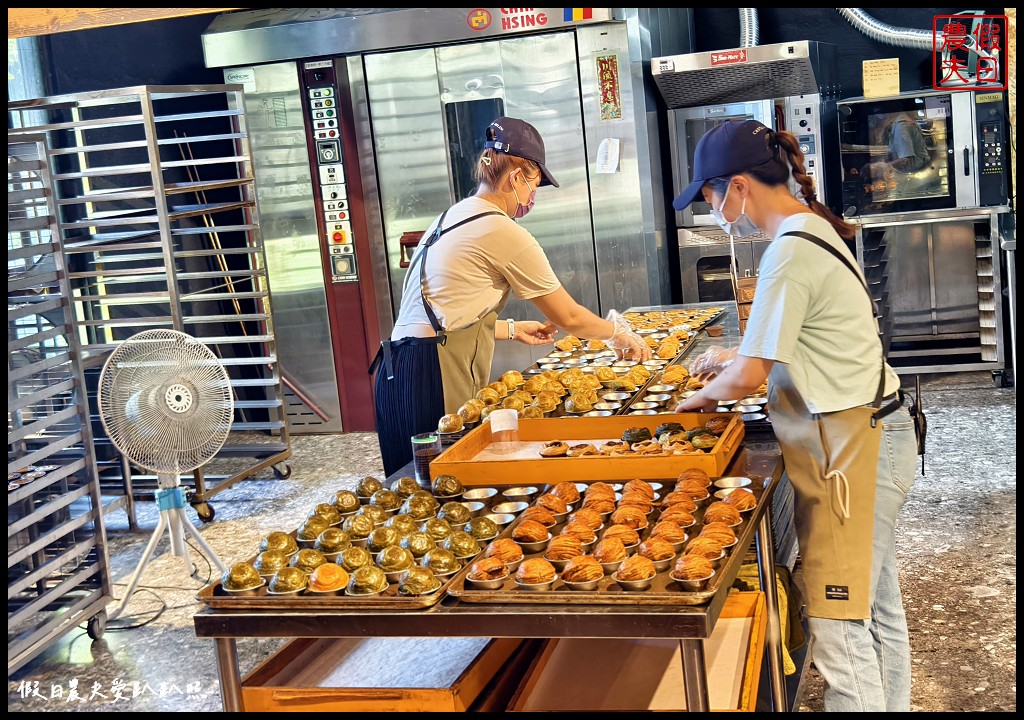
point(881, 77)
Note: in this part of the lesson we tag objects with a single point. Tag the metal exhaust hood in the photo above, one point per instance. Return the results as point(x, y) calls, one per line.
point(759, 72)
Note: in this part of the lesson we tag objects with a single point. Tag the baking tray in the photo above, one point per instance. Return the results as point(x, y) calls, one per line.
point(663, 591)
point(475, 463)
point(214, 596)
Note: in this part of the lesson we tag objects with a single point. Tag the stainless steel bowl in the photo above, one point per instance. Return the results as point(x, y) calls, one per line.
point(475, 507)
point(633, 584)
point(536, 587)
point(616, 396)
point(748, 408)
point(607, 405)
point(644, 412)
point(500, 519)
point(611, 567)
point(644, 405)
point(573, 362)
point(479, 494)
point(658, 399)
point(520, 493)
point(662, 388)
point(662, 565)
point(598, 413)
point(560, 354)
point(495, 584)
point(655, 363)
point(582, 586)
point(734, 481)
point(534, 547)
point(552, 366)
point(754, 417)
point(754, 401)
point(729, 403)
point(624, 363)
point(510, 508)
point(620, 369)
point(558, 565)
point(693, 585)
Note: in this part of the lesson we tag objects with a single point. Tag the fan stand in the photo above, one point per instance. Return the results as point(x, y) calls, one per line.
point(170, 499)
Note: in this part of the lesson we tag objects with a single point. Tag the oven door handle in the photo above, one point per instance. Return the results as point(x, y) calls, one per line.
point(967, 160)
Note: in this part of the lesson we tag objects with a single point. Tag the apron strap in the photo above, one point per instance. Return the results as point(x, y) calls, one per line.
point(880, 412)
point(422, 259)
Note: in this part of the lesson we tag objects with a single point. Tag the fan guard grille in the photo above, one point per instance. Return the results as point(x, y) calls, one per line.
point(165, 401)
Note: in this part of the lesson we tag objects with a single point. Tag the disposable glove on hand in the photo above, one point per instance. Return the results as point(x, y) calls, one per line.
point(712, 362)
point(624, 341)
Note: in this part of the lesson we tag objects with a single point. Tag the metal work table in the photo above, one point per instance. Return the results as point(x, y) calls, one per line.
point(691, 624)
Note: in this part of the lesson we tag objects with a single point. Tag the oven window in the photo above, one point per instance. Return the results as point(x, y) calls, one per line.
point(466, 123)
point(896, 155)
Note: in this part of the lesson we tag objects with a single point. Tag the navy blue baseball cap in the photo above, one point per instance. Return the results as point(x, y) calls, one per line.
point(519, 138)
point(726, 150)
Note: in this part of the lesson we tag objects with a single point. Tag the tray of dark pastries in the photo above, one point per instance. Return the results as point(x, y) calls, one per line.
point(372, 547)
point(636, 542)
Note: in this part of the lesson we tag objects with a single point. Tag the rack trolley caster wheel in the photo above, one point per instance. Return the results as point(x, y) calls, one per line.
point(205, 511)
point(97, 625)
point(282, 471)
point(1002, 378)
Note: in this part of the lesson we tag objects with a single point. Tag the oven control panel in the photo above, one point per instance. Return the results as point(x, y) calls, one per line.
point(324, 122)
point(803, 119)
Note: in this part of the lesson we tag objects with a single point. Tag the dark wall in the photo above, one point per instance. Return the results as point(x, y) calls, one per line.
point(159, 52)
point(719, 29)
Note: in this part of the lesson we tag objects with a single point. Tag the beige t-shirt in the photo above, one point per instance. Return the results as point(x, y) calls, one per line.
point(811, 313)
point(471, 270)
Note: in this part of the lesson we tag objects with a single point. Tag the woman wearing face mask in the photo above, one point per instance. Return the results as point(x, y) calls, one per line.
point(833, 402)
point(465, 267)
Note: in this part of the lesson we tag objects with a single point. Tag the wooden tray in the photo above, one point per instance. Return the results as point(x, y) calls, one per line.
point(473, 461)
point(663, 591)
point(214, 596)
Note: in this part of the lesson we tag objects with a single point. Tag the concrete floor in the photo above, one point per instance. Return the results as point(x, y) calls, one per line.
point(957, 554)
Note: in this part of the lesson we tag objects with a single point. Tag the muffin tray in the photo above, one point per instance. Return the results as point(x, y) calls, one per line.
point(215, 596)
point(663, 590)
point(588, 360)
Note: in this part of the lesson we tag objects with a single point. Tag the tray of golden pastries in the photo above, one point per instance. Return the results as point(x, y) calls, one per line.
point(666, 319)
point(373, 547)
point(671, 542)
point(581, 377)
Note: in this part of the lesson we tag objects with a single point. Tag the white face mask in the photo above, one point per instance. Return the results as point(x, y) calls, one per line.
point(742, 226)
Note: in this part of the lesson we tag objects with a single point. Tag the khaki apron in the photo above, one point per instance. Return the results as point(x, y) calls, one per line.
point(465, 360)
point(465, 355)
point(832, 463)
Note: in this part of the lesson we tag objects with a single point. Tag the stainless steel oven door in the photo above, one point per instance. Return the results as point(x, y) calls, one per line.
point(909, 153)
point(704, 267)
point(686, 127)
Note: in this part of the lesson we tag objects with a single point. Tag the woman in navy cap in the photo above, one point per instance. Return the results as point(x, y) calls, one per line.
point(833, 403)
point(465, 267)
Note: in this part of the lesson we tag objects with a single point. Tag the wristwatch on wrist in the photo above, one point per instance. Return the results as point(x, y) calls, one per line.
point(511, 328)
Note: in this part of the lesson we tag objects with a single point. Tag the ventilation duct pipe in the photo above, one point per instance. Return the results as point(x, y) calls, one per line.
point(749, 28)
point(885, 33)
